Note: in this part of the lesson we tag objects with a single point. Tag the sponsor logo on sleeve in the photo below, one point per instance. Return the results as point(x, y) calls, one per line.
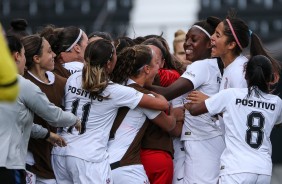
point(190, 74)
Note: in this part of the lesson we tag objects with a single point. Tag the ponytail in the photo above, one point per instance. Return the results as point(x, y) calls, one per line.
point(256, 48)
point(95, 77)
point(258, 74)
point(94, 80)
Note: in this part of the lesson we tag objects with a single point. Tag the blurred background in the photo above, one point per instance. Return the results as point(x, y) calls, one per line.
point(135, 18)
point(142, 17)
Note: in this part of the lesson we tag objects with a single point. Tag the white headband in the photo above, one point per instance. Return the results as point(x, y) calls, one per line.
point(199, 27)
point(75, 42)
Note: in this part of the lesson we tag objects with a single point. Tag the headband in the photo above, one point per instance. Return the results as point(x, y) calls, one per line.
point(234, 34)
point(199, 27)
point(75, 42)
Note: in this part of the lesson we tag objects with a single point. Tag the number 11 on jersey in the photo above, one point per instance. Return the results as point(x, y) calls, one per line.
point(85, 113)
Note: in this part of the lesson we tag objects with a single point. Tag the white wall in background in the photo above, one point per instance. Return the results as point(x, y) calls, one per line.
point(157, 16)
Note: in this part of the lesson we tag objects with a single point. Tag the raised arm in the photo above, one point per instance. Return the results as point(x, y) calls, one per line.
point(179, 87)
point(157, 103)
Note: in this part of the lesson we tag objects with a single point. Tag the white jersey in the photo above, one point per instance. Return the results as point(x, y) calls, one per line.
point(248, 124)
point(97, 116)
point(74, 66)
point(127, 130)
point(234, 74)
point(178, 145)
point(205, 76)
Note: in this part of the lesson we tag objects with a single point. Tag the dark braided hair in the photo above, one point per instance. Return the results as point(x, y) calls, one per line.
point(130, 61)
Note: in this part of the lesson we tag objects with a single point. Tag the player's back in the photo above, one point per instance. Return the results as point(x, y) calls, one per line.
point(248, 123)
point(97, 116)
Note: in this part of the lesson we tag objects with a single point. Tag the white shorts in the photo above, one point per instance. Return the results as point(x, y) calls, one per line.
point(245, 178)
point(178, 171)
point(202, 160)
point(178, 161)
point(132, 174)
point(40, 180)
point(31, 178)
point(73, 170)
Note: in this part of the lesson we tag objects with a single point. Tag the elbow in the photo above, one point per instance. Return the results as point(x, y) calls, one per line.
point(163, 105)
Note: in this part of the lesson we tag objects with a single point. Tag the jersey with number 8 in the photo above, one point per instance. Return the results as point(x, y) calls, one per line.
point(248, 124)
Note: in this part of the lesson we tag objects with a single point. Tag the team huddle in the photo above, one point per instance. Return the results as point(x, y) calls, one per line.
point(92, 109)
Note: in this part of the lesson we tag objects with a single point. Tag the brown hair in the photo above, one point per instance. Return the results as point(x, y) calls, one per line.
point(18, 28)
point(33, 46)
point(244, 35)
point(94, 75)
point(130, 61)
point(61, 39)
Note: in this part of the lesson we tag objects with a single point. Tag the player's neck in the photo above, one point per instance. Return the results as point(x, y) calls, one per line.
point(138, 80)
point(40, 74)
point(228, 59)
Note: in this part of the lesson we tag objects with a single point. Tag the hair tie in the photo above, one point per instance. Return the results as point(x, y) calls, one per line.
point(202, 29)
point(234, 34)
point(250, 32)
point(75, 42)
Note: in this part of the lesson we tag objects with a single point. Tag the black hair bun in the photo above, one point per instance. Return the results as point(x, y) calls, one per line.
point(19, 24)
point(213, 21)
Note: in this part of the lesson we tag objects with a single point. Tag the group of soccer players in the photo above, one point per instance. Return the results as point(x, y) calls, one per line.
point(124, 100)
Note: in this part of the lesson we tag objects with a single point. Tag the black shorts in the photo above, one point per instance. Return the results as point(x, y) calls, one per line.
point(12, 176)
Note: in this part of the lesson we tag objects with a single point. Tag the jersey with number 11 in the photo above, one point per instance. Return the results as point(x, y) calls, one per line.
point(97, 116)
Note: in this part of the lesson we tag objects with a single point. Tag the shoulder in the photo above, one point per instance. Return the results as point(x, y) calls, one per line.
point(121, 90)
point(75, 77)
point(26, 86)
point(241, 60)
point(25, 82)
point(231, 91)
point(60, 78)
point(275, 97)
point(114, 87)
point(205, 63)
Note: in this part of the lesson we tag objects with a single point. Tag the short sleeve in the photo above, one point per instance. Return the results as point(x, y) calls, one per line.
point(126, 96)
point(218, 103)
point(197, 73)
point(149, 113)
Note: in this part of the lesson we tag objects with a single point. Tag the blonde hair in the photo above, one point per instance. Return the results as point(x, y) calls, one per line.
point(95, 78)
point(179, 36)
